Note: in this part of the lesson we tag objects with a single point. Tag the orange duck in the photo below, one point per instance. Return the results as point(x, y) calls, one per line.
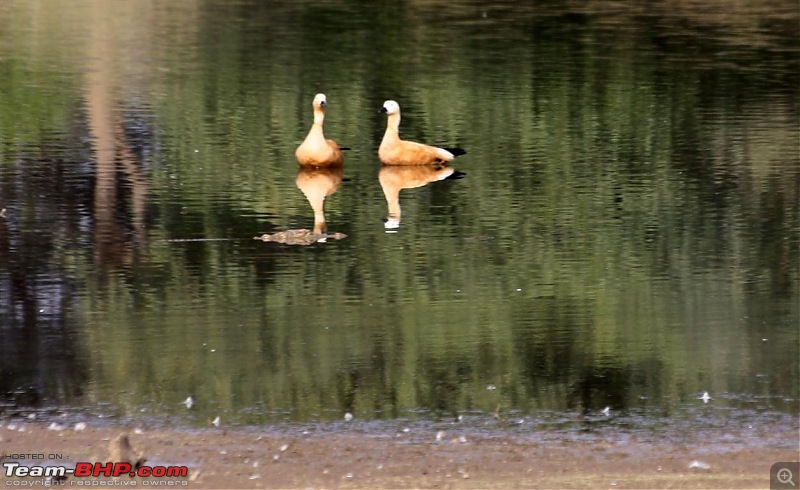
point(316, 151)
point(394, 151)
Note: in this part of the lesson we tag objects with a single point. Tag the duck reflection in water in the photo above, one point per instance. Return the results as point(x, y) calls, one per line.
point(317, 183)
point(394, 178)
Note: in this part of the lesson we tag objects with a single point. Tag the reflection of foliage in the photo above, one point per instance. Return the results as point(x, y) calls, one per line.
point(641, 236)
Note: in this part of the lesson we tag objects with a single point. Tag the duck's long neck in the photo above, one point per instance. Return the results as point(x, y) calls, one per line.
point(315, 133)
point(319, 117)
point(392, 195)
point(392, 127)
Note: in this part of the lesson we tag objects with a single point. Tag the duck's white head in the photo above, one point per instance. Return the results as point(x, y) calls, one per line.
point(390, 107)
point(320, 100)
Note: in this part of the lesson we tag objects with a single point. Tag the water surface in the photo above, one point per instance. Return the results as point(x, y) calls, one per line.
point(625, 236)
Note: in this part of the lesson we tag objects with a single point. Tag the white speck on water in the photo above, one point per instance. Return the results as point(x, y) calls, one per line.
point(188, 402)
point(138, 431)
point(519, 289)
point(607, 411)
point(55, 426)
point(406, 430)
point(491, 387)
point(348, 417)
point(705, 397)
point(349, 476)
point(440, 435)
point(31, 416)
point(462, 439)
point(215, 422)
point(213, 350)
point(80, 426)
point(254, 477)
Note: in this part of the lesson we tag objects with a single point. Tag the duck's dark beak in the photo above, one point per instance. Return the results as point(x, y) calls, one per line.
point(382, 110)
point(323, 104)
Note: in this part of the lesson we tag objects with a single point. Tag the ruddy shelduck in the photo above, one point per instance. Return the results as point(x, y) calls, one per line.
point(316, 151)
point(394, 151)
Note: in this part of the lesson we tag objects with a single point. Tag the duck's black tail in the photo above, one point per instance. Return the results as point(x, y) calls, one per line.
point(456, 151)
point(456, 175)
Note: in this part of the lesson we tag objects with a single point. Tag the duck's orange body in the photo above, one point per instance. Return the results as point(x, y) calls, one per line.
point(394, 151)
point(316, 151)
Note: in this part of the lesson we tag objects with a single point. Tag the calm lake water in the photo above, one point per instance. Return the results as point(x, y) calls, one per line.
point(626, 234)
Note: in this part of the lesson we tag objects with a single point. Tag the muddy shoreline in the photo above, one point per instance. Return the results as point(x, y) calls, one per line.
point(409, 458)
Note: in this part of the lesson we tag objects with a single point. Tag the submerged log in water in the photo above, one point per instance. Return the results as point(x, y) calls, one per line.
point(299, 237)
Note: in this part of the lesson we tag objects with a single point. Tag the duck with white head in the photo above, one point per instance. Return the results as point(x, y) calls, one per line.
point(316, 151)
point(394, 151)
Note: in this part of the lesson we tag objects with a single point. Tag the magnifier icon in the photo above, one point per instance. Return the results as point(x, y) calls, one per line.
point(785, 476)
